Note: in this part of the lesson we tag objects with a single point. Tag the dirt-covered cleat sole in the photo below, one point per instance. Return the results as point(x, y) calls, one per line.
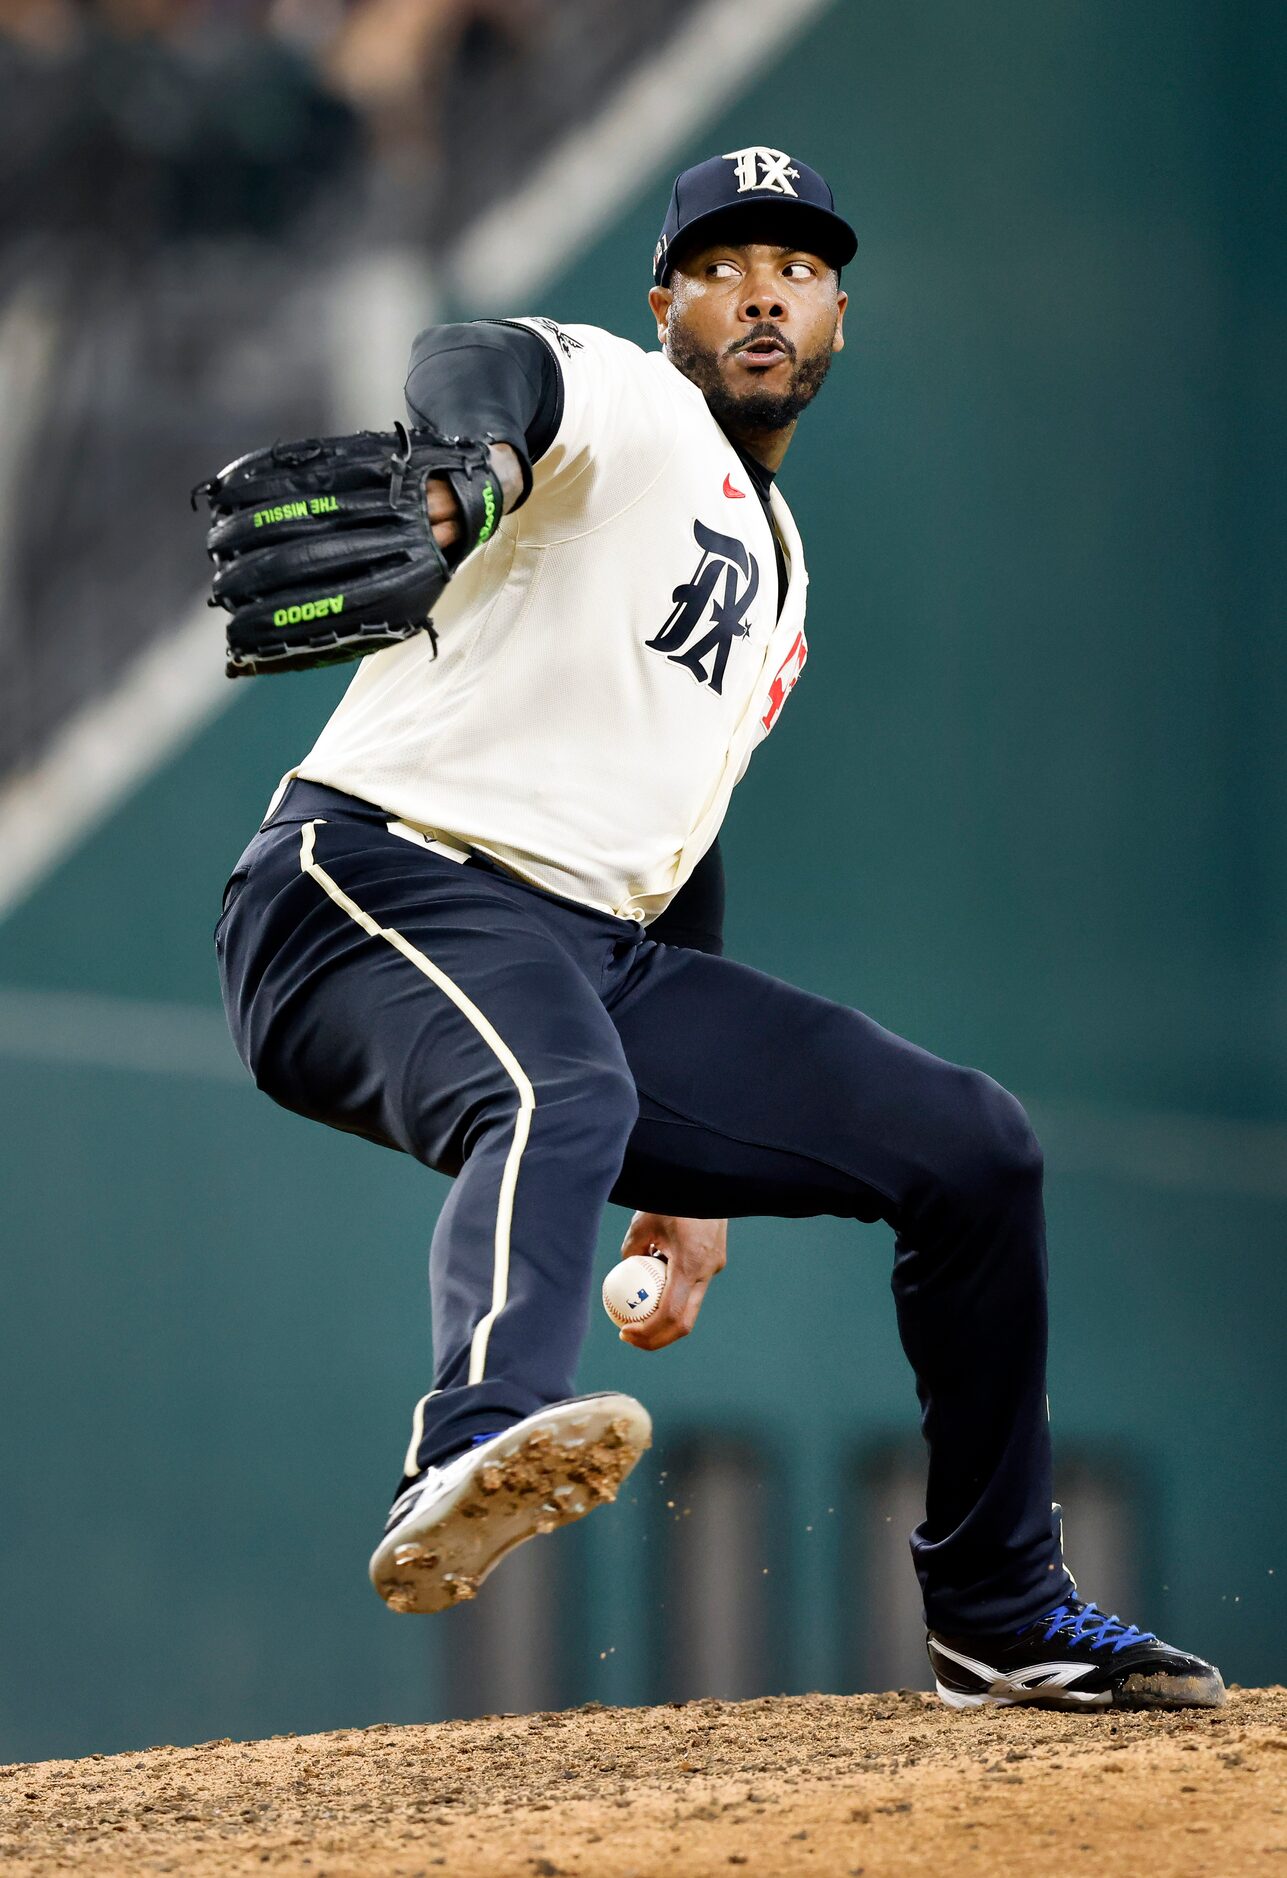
point(1076, 1657)
point(454, 1525)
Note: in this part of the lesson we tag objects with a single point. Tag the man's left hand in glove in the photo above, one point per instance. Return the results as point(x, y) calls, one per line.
point(334, 547)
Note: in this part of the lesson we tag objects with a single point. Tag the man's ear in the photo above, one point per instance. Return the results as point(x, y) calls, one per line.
point(842, 301)
point(660, 300)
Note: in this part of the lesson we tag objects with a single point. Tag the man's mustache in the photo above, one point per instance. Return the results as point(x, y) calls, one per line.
point(764, 330)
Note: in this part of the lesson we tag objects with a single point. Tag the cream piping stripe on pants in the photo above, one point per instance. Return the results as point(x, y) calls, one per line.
point(496, 1043)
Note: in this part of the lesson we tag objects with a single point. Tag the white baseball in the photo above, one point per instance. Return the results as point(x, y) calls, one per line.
point(632, 1289)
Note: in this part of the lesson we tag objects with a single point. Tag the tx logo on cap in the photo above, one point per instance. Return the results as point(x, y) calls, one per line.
point(761, 168)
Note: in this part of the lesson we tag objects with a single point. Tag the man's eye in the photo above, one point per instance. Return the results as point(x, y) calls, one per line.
point(721, 270)
point(799, 270)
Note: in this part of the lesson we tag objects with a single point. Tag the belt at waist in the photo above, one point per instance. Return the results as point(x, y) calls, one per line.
point(303, 801)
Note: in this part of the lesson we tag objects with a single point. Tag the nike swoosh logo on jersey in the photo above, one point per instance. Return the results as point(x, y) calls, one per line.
point(733, 494)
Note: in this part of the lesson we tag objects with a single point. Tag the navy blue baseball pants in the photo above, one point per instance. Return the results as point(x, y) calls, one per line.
point(552, 1058)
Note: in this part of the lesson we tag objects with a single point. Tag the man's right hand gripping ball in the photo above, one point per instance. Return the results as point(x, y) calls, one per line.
point(326, 550)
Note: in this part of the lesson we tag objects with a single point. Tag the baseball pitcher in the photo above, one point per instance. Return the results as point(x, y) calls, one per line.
point(481, 922)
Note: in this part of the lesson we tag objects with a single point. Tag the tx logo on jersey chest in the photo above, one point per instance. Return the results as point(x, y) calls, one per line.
point(710, 609)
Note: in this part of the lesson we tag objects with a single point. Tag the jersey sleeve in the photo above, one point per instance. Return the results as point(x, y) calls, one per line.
point(616, 430)
point(485, 378)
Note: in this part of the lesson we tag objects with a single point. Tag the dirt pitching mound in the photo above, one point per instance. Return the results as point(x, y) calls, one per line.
point(871, 1784)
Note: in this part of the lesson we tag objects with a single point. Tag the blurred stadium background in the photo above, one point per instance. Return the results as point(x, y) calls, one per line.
point(1026, 808)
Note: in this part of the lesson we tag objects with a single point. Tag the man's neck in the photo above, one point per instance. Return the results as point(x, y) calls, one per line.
point(768, 447)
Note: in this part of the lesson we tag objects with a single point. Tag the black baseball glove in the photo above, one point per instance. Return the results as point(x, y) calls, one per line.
point(323, 550)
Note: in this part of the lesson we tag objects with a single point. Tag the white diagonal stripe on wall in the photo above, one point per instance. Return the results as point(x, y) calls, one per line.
point(174, 687)
point(515, 247)
point(102, 754)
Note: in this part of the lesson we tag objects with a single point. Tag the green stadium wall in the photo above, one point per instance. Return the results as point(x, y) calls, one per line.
point(1024, 806)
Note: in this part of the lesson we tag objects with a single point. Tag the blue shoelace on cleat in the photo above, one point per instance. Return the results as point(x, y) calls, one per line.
point(1091, 1625)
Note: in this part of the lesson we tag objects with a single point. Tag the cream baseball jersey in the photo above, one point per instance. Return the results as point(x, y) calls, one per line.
point(605, 665)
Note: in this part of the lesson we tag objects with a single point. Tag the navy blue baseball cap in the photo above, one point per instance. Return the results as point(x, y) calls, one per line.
point(744, 185)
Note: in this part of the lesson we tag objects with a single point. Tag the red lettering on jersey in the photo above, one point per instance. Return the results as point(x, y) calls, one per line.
point(738, 495)
point(784, 678)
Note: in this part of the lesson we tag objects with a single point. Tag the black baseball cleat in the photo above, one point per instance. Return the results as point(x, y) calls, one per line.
point(1074, 1657)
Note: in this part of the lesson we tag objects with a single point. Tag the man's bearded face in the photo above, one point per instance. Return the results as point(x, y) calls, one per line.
point(734, 384)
